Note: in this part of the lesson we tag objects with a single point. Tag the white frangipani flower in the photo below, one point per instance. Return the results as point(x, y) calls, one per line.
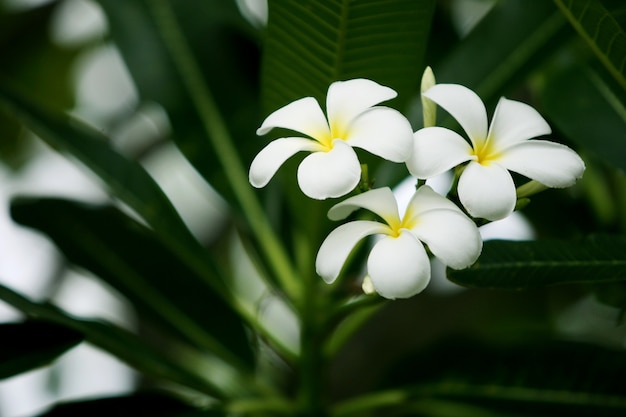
point(332, 169)
point(398, 264)
point(486, 188)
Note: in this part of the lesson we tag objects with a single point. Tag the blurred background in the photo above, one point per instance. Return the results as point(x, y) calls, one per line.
point(61, 50)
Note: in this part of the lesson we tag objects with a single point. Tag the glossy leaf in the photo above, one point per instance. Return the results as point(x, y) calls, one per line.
point(32, 344)
point(115, 340)
point(310, 44)
point(523, 265)
point(129, 257)
point(153, 404)
point(602, 33)
point(589, 112)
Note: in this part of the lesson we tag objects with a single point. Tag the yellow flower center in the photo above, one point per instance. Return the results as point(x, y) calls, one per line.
point(396, 226)
point(485, 152)
point(337, 131)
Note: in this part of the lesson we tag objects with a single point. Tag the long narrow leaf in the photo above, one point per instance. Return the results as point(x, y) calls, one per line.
point(552, 378)
point(490, 63)
point(29, 345)
point(121, 343)
point(589, 112)
point(601, 31)
point(129, 256)
point(228, 56)
point(127, 179)
point(524, 265)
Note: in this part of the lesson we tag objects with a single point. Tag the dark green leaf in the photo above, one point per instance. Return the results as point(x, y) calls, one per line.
point(117, 341)
point(129, 256)
point(597, 26)
point(588, 111)
point(524, 265)
point(30, 58)
point(546, 379)
point(612, 294)
point(29, 345)
point(490, 63)
point(151, 404)
point(127, 179)
point(228, 57)
point(211, 134)
point(309, 44)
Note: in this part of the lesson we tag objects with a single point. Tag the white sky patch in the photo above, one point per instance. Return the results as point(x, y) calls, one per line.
point(104, 85)
point(77, 22)
point(27, 263)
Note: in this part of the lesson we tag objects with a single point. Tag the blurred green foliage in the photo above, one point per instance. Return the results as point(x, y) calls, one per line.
point(484, 351)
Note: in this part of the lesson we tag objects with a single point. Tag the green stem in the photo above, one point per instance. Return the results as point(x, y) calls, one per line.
point(530, 188)
point(350, 318)
point(222, 142)
point(312, 337)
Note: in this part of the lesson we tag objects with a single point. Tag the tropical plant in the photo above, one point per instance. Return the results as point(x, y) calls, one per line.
point(496, 348)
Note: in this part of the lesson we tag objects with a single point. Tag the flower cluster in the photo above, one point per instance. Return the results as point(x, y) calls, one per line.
point(398, 264)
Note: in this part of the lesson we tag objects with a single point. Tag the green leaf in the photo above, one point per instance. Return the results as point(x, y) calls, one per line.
point(117, 341)
point(129, 256)
point(490, 63)
point(202, 132)
point(589, 112)
point(228, 55)
point(612, 294)
point(597, 26)
point(26, 47)
point(309, 44)
point(524, 265)
point(126, 179)
point(151, 404)
point(529, 379)
point(32, 344)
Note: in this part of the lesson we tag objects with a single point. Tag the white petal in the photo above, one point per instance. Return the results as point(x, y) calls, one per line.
point(450, 235)
point(399, 266)
point(549, 163)
point(514, 122)
point(436, 150)
point(330, 174)
point(464, 105)
point(347, 99)
point(303, 115)
point(383, 132)
point(338, 245)
point(426, 199)
point(487, 191)
point(379, 200)
point(267, 162)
